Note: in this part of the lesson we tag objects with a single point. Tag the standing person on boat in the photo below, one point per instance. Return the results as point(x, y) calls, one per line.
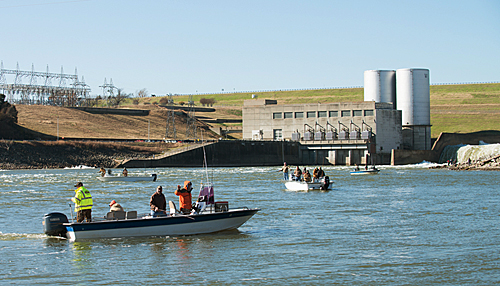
point(83, 203)
point(285, 169)
point(102, 171)
point(158, 203)
point(321, 174)
point(125, 172)
point(297, 174)
point(115, 207)
point(185, 197)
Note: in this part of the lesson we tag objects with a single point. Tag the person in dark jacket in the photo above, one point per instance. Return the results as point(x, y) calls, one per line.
point(158, 203)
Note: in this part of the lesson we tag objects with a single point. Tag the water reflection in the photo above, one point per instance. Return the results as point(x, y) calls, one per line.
point(182, 250)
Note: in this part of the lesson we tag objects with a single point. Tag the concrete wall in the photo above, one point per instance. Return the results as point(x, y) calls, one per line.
point(229, 154)
point(405, 157)
point(237, 153)
point(119, 111)
point(388, 130)
point(417, 137)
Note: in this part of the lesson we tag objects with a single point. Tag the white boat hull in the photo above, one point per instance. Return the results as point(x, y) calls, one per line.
point(303, 186)
point(160, 226)
point(365, 172)
point(126, 179)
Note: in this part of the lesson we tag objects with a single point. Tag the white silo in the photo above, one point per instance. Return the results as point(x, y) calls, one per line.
point(380, 86)
point(413, 99)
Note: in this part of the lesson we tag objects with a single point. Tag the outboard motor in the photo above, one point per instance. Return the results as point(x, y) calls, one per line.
point(154, 177)
point(326, 183)
point(52, 224)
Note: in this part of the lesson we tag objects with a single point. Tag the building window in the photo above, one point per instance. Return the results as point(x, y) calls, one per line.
point(321, 113)
point(299, 114)
point(288, 115)
point(357, 113)
point(311, 114)
point(345, 113)
point(368, 112)
point(277, 115)
point(334, 113)
point(277, 134)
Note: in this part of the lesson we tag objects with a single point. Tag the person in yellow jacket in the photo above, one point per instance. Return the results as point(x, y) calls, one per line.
point(83, 203)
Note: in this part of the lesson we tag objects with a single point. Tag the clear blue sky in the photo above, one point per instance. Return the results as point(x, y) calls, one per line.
point(189, 46)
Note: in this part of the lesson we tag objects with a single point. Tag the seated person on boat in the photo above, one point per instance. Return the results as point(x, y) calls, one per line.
point(307, 177)
point(115, 207)
point(158, 203)
point(297, 174)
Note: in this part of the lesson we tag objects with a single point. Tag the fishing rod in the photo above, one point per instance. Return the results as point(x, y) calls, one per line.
point(71, 211)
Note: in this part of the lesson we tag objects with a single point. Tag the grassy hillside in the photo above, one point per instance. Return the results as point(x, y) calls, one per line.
point(454, 108)
point(465, 108)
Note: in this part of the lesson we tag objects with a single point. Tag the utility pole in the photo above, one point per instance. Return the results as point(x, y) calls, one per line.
point(170, 130)
point(191, 120)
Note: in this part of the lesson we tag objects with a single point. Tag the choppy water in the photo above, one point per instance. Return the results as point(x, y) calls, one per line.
point(405, 226)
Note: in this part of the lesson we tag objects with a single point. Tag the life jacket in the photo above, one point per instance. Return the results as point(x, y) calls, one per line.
point(82, 199)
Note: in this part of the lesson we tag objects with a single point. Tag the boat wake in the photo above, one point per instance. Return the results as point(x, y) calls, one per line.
point(19, 236)
point(78, 167)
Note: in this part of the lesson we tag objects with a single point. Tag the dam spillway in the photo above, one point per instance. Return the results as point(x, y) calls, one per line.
point(462, 153)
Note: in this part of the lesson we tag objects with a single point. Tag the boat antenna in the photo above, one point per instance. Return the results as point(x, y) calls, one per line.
point(205, 164)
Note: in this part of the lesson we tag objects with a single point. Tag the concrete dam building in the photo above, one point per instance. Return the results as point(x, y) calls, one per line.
point(394, 115)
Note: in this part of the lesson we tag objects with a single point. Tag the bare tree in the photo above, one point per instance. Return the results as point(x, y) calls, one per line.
point(142, 93)
point(120, 97)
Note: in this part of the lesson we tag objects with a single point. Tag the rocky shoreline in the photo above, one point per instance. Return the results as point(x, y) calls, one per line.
point(42, 155)
point(490, 164)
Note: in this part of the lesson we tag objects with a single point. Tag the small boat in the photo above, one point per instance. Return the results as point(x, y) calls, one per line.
point(111, 178)
point(372, 171)
point(207, 217)
point(322, 184)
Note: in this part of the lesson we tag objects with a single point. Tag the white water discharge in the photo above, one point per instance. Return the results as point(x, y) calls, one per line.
point(462, 153)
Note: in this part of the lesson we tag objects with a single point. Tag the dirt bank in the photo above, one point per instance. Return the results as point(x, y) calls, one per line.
point(61, 154)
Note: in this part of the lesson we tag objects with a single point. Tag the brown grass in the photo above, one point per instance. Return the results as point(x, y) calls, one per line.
point(73, 123)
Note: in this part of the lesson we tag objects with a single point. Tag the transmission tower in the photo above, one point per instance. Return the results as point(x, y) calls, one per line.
point(170, 133)
point(108, 90)
point(191, 121)
point(36, 92)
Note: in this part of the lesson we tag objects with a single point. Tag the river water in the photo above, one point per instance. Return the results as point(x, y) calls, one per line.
point(408, 225)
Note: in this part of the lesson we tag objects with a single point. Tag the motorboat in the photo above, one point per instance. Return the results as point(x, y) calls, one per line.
point(207, 217)
point(112, 178)
point(320, 184)
point(371, 171)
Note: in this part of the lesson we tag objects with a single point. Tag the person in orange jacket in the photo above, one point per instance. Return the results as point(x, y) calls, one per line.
point(185, 197)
